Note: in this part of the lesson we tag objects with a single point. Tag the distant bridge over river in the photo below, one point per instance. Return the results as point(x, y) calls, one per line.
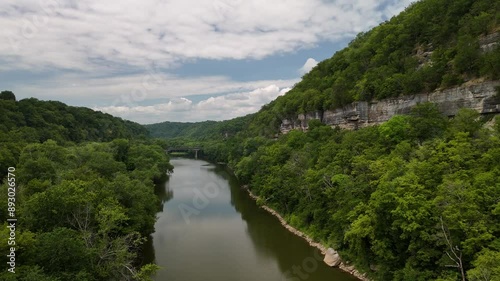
point(186, 149)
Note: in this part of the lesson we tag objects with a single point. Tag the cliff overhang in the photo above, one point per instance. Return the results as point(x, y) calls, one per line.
point(480, 96)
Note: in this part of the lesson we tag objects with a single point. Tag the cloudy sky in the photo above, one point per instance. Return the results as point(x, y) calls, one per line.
point(173, 60)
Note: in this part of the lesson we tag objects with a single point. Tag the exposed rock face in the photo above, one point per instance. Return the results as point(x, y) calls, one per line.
point(481, 97)
point(489, 42)
point(332, 258)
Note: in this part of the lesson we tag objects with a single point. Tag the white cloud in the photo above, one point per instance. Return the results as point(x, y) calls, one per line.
point(130, 96)
point(213, 108)
point(95, 35)
point(93, 42)
point(310, 64)
point(132, 90)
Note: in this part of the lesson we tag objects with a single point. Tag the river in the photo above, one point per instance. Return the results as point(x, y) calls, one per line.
point(211, 230)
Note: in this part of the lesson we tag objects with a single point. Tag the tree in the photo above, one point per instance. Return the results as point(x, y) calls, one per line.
point(467, 58)
point(7, 95)
point(426, 122)
point(396, 129)
point(61, 250)
point(453, 252)
point(486, 266)
point(466, 120)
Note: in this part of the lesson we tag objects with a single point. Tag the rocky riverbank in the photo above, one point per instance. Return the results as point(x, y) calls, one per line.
point(331, 256)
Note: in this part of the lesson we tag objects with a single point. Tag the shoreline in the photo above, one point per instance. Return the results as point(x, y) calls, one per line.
point(346, 268)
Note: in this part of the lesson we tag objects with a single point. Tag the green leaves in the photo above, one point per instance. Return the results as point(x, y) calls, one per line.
point(426, 122)
point(146, 272)
point(110, 217)
point(7, 95)
point(396, 129)
point(486, 266)
point(468, 54)
point(83, 213)
point(61, 252)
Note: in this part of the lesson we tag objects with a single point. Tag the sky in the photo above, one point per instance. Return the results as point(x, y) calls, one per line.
point(151, 61)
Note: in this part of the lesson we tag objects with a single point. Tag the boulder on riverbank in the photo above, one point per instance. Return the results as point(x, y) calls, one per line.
point(332, 258)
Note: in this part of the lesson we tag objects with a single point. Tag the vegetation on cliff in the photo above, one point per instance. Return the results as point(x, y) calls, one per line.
point(432, 44)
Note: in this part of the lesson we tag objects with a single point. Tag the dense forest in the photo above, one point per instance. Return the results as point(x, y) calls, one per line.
point(84, 192)
point(416, 198)
point(402, 201)
point(33, 121)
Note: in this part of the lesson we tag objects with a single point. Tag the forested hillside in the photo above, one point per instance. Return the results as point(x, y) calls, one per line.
point(42, 120)
point(416, 198)
point(198, 130)
point(213, 136)
point(432, 44)
point(81, 185)
point(32, 121)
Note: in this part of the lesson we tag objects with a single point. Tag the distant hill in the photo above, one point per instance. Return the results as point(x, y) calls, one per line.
point(34, 120)
point(199, 130)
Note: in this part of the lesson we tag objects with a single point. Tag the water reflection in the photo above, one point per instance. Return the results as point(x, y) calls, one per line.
point(148, 252)
point(163, 191)
point(273, 240)
point(225, 237)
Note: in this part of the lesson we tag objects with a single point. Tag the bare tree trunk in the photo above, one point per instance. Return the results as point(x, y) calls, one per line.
point(455, 254)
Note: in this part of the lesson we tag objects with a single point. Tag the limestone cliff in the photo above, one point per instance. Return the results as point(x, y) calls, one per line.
point(489, 42)
point(481, 96)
